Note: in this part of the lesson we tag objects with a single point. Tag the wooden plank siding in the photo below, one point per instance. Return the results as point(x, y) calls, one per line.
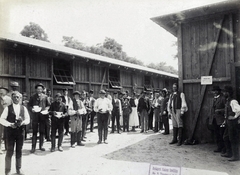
point(206, 50)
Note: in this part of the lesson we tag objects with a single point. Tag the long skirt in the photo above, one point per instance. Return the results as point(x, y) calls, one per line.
point(133, 118)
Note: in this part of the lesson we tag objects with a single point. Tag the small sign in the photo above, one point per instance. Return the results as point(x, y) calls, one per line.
point(164, 170)
point(206, 80)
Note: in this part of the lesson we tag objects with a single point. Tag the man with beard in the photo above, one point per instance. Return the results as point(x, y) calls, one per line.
point(177, 106)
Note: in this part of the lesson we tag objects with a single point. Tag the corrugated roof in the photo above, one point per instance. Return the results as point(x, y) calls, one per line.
point(59, 48)
point(171, 21)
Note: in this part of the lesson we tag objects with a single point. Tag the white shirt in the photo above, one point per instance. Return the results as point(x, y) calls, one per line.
point(235, 108)
point(104, 104)
point(16, 108)
point(66, 98)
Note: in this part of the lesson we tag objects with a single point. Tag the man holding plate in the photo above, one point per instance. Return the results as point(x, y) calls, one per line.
point(38, 103)
point(57, 110)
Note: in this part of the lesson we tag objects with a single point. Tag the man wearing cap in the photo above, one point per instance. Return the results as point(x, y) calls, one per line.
point(143, 108)
point(91, 106)
point(5, 101)
point(102, 107)
point(177, 106)
point(15, 87)
point(37, 104)
point(217, 117)
point(164, 112)
point(116, 112)
point(57, 110)
point(14, 117)
point(67, 100)
point(231, 133)
point(76, 110)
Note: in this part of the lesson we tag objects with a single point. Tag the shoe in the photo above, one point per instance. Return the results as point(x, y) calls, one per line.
point(32, 150)
point(60, 149)
point(106, 142)
point(119, 132)
point(66, 134)
point(99, 142)
point(52, 149)
point(227, 155)
point(83, 140)
point(217, 150)
point(48, 140)
point(233, 159)
point(165, 133)
point(112, 132)
point(141, 131)
point(73, 146)
point(19, 171)
point(80, 144)
point(173, 142)
point(42, 149)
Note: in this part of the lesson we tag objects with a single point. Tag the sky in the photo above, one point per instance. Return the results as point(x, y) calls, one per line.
point(90, 21)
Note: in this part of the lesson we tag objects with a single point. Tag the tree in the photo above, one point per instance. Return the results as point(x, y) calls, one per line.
point(163, 67)
point(34, 30)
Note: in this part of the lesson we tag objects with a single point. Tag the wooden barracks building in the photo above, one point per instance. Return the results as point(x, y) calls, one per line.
point(29, 61)
point(208, 45)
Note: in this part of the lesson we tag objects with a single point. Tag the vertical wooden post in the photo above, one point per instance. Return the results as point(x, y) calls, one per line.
point(27, 74)
point(180, 59)
point(89, 76)
point(51, 74)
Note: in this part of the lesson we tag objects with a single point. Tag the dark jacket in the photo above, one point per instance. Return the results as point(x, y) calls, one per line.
point(217, 111)
point(143, 104)
point(36, 100)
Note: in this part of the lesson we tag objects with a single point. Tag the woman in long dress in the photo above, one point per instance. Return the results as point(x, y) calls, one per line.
point(133, 118)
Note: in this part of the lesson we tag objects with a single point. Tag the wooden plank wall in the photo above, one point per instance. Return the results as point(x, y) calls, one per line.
point(198, 39)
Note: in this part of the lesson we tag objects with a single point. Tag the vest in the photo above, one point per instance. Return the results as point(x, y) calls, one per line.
point(115, 105)
point(177, 103)
point(12, 116)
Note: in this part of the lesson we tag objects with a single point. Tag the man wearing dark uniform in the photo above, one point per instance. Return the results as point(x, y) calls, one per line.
point(217, 117)
point(38, 103)
point(14, 118)
point(116, 112)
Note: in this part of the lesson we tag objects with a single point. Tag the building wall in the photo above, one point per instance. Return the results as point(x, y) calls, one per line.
point(207, 49)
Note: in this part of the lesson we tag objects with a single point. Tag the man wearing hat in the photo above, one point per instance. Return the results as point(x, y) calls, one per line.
point(231, 133)
point(143, 108)
point(164, 112)
point(57, 110)
point(116, 112)
point(37, 104)
point(217, 117)
point(15, 88)
point(156, 109)
point(5, 101)
point(102, 107)
point(91, 106)
point(67, 100)
point(76, 110)
point(14, 118)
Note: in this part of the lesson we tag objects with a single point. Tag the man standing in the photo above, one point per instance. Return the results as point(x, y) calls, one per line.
point(15, 88)
point(231, 133)
point(38, 103)
point(5, 101)
point(58, 111)
point(67, 100)
point(91, 106)
point(116, 112)
point(102, 107)
point(164, 112)
point(14, 117)
point(176, 107)
point(217, 117)
point(143, 108)
point(156, 110)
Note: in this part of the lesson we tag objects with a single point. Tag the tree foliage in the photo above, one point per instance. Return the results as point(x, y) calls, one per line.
point(34, 30)
point(112, 49)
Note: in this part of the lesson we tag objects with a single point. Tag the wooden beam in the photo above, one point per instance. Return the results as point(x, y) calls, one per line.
point(220, 79)
point(27, 74)
point(51, 74)
point(180, 58)
point(203, 89)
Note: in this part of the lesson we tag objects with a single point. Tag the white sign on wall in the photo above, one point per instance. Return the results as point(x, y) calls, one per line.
point(164, 170)
point(206, 80)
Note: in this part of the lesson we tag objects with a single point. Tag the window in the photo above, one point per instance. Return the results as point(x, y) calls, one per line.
point(147, 83)
point(114, 79)
point(62, 73)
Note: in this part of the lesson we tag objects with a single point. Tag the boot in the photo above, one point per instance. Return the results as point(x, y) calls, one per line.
point(34, 142)
point(235, 151)
point(41, 141)
point(19, 165)
point(79, 135)
point(175, 133)
point(180, 130)
point(228, 153)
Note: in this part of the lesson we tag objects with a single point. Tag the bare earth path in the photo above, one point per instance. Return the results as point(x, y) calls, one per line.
point(126, 153)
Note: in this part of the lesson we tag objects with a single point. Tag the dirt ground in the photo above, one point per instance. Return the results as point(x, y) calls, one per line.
point(127, 153)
